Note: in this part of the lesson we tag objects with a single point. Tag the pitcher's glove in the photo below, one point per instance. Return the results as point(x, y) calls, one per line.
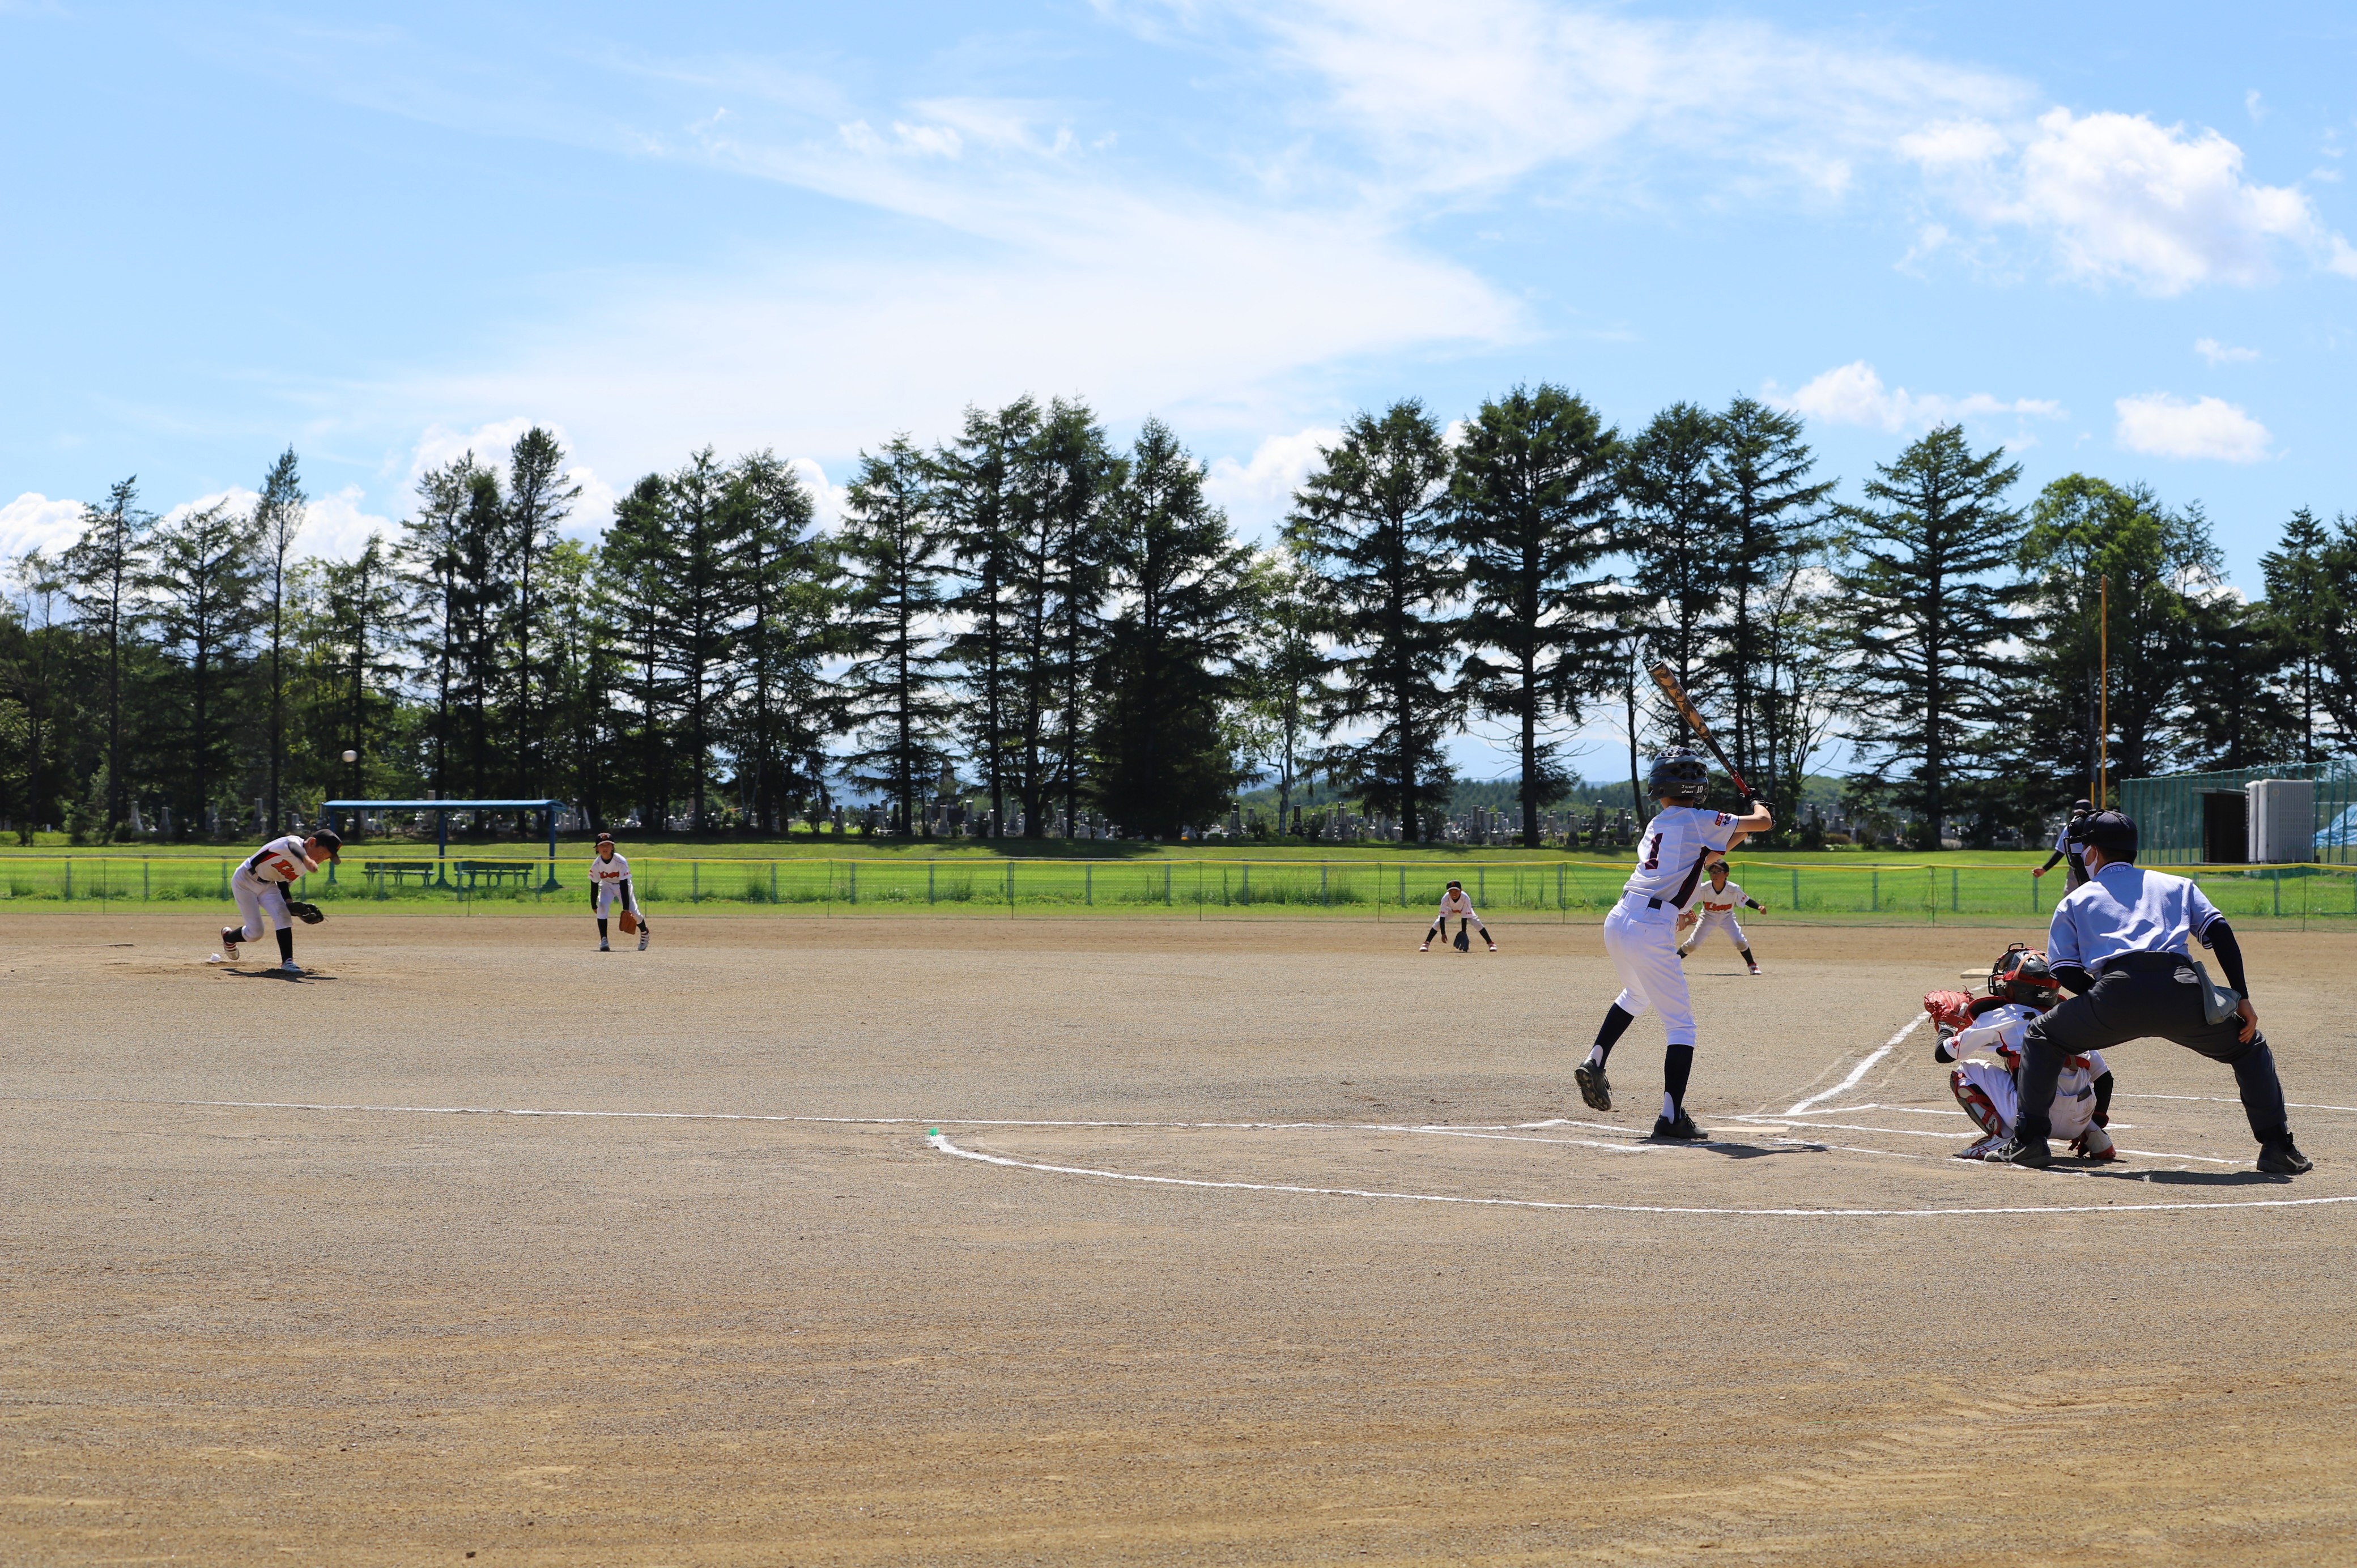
point(309, 914)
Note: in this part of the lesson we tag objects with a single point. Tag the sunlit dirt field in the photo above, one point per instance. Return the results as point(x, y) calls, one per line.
point(285, 1281)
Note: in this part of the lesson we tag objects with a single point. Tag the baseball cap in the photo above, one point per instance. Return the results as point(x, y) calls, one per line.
point(2112, 833)
point(332, 842)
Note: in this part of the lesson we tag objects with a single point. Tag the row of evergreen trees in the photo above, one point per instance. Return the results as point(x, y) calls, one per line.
point(1068, 626)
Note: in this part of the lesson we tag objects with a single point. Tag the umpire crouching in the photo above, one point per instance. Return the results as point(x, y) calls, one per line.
point(2119, 944)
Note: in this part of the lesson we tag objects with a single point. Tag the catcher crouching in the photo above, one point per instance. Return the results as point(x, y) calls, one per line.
point(261, 888)
point(2021, 989)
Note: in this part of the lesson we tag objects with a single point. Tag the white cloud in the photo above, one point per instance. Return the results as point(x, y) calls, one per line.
point(1472, 95)
point(493, 443)
point(1854, 394)
point(1258, 493)
point(2219, 353)
point(2121, 198)
point(2165, 426)
point(34, 522)
point(335, 526)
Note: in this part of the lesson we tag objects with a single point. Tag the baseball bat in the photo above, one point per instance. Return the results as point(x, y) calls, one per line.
point(1662, 677)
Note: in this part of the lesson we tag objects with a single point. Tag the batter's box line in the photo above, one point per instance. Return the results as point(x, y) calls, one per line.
point(944, 1143)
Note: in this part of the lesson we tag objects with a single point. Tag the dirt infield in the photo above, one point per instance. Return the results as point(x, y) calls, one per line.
point(273, 1293)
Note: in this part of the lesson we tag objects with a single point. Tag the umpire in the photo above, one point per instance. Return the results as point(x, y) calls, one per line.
point(2120, 946)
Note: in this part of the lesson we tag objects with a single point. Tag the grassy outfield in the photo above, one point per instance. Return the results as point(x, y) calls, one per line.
point(1182, 881)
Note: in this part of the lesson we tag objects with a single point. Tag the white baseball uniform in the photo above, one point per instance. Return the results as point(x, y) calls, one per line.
point(260, 885)
point(1713, 910)
point(1998, 1032)
point(1640, 933)
point(1454, 903)
point(610, 880)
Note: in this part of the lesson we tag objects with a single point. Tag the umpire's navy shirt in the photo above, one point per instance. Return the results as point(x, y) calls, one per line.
point(2124, 908)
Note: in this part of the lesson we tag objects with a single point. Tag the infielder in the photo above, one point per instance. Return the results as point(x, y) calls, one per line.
point(2064, 850)
point(260, 888)
point(1713, 909)
point(2021, 989)
point(610, 880)
point(1454, 903)
point(1640, 933)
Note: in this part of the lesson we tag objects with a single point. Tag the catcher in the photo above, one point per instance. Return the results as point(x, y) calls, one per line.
point(609, 883)
point(2022, 989)
point(1454, 902)
point(260, 887)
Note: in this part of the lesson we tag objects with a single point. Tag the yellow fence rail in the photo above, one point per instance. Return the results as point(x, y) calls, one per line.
point(1199, 889)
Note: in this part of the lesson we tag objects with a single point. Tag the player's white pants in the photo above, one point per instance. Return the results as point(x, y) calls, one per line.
point(1710, 923)
point(612, 893)
point(261, 905)
point(2072, 1117)
point(1644, 947)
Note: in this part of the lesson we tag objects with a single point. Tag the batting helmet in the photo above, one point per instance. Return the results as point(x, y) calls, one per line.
point(1679, 774)
point(2020, 974)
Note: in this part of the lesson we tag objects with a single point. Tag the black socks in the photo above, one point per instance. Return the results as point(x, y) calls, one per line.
point(601, 928)
point(286, 944)
point(1749, 959)
point(1617, 1020)
point(1677, 1066)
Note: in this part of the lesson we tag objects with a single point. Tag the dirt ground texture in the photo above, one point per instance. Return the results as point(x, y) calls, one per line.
point(271, 1296)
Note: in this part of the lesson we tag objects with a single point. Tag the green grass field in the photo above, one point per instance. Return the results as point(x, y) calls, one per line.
point(1166, 882)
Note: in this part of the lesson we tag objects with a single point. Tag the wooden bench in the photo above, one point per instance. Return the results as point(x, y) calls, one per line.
point(398, 872)
point(497, 872)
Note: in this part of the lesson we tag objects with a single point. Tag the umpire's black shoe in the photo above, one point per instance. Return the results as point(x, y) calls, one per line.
point(2034, 1157)
point(1682, 1128)
point(1593, 1087)
point(2283, 1157)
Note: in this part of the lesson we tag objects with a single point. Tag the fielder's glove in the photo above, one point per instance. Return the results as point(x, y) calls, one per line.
point(309, 914)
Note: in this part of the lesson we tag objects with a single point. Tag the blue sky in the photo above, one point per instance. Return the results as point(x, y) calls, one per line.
point(2112, 237)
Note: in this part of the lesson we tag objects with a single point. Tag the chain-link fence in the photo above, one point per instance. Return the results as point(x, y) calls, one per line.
point(1195, 889)
point(2190, 819)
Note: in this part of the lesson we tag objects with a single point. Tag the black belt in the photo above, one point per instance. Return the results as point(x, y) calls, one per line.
point(1653, 903)
point(2139, 963)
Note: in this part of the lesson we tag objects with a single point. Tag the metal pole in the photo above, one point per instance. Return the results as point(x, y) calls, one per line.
point(2103, 726)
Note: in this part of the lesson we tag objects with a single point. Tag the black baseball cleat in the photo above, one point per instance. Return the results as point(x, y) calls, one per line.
point(2034, 1157)
point(1682, 1128)
point(2283, 1157)
point(1593, 1086)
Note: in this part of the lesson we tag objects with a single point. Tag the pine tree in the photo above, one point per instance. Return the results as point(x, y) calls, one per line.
point(278, 518)
point(584, 679)
point(1162, 755)
point(1929, 623)
point(891, 543)
point(2303, 610)
point(784, 710)
point(701, 614)
point(480, 611)
point(1287, 670)
point(634, 555)
point(1532, 507)
point(204, 585)
point(539, 497)
point(1675, 532)
point(1372, 520)
point(428, 558)
point(104, 570)
point(1773, 517)
point(987, 488)
point(2235, 713)
point(1061, 585)
point(367, 616)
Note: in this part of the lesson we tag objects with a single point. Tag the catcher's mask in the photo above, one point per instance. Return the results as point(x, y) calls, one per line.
point(2020, 974)
point(1679, 774)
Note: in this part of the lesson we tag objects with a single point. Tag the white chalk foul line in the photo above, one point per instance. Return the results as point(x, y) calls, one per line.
point(1860, 1070)
point(940, 1140)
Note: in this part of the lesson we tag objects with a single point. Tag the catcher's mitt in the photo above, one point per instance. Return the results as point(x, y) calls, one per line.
point(1951, 1008)
point(309, 914)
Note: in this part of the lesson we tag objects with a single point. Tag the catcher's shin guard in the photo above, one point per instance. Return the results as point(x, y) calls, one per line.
point(1977, 1104)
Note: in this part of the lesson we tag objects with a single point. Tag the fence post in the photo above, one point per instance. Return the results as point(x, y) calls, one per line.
point(1321, 885)
point(1796, 885)
point(1954, 906)
point(2277, 875)
point(929, 881)
point(851, 869)
point(1165, 884)
point(143, 894)
point(773, 881)
point(69, 879)
point(1010, 887)
point(1559, 904)
point(1246, 900)
point(224, 880)
point(695, 881)
point(1481, 883)
point(1089, 883)
point(1402, 875)
point(1875, 891)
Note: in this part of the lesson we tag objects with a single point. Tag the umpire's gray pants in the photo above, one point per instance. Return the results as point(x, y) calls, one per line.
point(2137, 997)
